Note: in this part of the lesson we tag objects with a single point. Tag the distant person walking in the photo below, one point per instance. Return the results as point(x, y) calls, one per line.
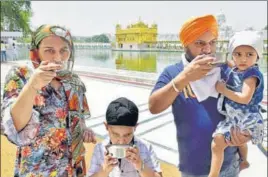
point(3, 51)
point(14, 52)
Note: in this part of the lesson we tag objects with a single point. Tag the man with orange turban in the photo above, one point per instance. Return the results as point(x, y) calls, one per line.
point(195, 117)
point(195, 27)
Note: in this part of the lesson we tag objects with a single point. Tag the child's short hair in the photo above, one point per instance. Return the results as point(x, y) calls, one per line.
point(122, 112)
point(249, 38)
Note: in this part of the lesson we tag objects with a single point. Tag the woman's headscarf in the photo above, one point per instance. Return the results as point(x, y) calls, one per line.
point(45, 31)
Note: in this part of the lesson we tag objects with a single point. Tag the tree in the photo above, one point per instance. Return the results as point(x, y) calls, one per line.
point(250, 28)
point(98, 38)
point(15, 16)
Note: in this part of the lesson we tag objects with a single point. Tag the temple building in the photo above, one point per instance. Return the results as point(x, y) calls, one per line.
point(138, 36)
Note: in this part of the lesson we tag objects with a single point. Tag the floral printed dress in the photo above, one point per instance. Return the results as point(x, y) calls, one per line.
point(51, 144)
point(245, 116)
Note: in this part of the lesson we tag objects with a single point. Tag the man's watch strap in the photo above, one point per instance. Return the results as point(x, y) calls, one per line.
point(142, 166)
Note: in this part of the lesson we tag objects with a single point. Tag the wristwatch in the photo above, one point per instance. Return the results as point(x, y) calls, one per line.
point(142, 166)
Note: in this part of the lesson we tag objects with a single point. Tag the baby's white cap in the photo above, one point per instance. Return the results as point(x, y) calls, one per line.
point(249, 38)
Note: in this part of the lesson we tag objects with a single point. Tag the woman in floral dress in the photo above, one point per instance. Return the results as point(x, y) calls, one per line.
point(44, 111)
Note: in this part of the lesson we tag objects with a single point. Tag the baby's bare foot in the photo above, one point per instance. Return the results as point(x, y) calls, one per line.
point(244, 165)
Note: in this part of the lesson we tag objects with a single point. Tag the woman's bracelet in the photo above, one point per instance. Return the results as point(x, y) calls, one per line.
point(36, 90)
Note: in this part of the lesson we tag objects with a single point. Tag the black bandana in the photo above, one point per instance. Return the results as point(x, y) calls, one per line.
point(122, 112)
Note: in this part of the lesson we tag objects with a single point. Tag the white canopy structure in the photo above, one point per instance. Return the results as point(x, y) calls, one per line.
point(8, 34)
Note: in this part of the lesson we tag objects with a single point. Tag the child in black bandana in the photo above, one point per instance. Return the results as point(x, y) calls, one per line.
point(139, 160)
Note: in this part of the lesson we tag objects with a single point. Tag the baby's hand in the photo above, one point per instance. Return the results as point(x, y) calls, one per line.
point(220, 86)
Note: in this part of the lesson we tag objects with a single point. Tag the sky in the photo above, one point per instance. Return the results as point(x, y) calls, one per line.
point(86, 18)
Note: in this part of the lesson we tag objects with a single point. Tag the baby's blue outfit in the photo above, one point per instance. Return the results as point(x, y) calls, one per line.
point(245, 116)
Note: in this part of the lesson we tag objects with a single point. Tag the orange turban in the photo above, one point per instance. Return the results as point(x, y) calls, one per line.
point(197, 26)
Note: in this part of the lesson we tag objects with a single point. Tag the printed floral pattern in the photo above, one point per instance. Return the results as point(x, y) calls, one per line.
point(52, 141)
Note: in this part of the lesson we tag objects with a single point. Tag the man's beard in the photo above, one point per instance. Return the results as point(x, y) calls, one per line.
point(188, 55)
